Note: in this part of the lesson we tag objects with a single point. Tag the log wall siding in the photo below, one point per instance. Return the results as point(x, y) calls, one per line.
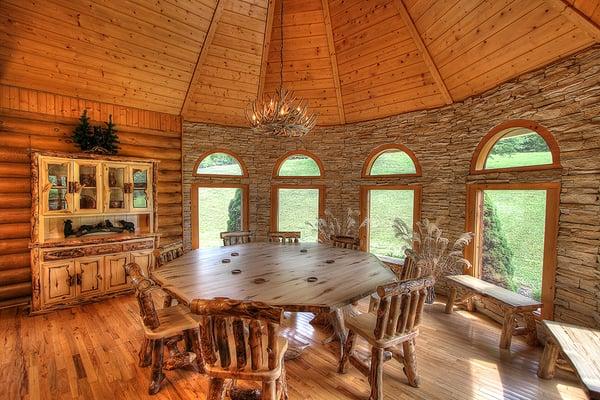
point(43, 121)
point(563, 97)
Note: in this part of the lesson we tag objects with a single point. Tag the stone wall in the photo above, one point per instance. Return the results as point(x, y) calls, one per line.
point(563, 97)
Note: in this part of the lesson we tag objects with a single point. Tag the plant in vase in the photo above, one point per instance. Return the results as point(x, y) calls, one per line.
point(430, 252)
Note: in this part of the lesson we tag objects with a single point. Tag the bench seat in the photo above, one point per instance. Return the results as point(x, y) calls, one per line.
point(510, 303)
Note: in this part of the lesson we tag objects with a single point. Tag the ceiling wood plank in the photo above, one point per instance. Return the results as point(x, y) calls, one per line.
point(265, 51)
point(333, 57)
point(578, 18)
point(435, 73)
point(210, 34)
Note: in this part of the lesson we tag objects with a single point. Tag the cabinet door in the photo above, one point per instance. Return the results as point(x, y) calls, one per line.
point(144, 259)
point(141, 184)
point(115, 275)
point(59, 281)
point(55, 186)
point(89, 276)
point(87, 196)
point(116, 197)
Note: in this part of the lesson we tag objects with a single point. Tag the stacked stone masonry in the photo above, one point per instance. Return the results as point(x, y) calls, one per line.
point(563, 97)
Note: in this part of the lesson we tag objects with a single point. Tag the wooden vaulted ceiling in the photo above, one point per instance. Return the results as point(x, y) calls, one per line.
point(353, 60)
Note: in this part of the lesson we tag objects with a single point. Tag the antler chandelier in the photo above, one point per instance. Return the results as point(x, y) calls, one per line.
point(283, 114)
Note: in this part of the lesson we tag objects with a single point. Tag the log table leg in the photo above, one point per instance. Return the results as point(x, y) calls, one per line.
point(451, 300)
point(339, 327)
point(507, 329)
point(531, 329)
point(547, 366)
point(145, 354)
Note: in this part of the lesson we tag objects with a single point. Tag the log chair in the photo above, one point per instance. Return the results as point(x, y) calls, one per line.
point(409, 270)
point(398, 317)
point(238, 237)
point(162, 256)
point(163, 327)
point(284, 237)
point(250, 330)
point(345, 242)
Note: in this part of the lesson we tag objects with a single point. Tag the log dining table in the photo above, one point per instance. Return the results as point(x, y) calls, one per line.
point(305, 277)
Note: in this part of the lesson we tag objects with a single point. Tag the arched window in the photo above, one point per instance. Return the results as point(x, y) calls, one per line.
point(391, 160)
point(298, 206)
point(381, 204)
point(220, 163)
point(298, 163)
point(515, 223)
point(517, 145)
point(218, 205)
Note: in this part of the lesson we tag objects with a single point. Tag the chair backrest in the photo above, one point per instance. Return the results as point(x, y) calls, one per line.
point(401, 306)
point(345, 242)
point(224, 324)
point(284, 237)
point(165, 254)
point(410, 270)
point(239, 237)
point(143, 291)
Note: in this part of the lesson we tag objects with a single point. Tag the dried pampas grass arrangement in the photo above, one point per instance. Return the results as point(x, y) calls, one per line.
point(430, 250)
point(331, 226)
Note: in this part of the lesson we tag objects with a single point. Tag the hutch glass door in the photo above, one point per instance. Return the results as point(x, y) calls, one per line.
point(87, 176)
point(140, 178)
point(116, 188)
point(55, 186)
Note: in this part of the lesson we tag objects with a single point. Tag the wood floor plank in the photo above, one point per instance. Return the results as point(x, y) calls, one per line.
point(90, 352)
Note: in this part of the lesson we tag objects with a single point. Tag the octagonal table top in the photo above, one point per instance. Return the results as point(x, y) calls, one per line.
point(296, 277)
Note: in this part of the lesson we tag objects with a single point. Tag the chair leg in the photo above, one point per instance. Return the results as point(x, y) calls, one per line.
point(145, 353)
point(216, 389)
point(157, 376)
point(193, 336)
point(410, 363)
point(376, 374)
point(282, 389)
point(347, 352)
point(168, 301)
point(269, 390)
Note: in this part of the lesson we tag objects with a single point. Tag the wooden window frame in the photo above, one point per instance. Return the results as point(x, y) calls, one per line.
point(275, 200)
point(306, 153)
point(364, 208)
point(473, 224)
point(209, 185)
point(486, 145)
point(225, 151)
point(384, 148)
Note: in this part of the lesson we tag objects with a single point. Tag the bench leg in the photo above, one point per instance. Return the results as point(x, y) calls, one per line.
point(547, 365)
point(531, 329)
point(451, 300)
point(507, 330)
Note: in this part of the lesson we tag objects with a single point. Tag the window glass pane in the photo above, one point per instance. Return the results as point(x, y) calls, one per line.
point(519, 147)
point(219, 164)
point(297, 207)
point(299, 165)
point(393, 162)
point(219, 210)
point(385, 206)
point(513, 239)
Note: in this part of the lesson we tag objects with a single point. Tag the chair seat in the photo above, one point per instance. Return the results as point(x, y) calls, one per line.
point(247, 373)
point(173, 320)
point(364, 326)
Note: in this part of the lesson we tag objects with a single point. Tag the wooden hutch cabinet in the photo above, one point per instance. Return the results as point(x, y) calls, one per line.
point(86, 190)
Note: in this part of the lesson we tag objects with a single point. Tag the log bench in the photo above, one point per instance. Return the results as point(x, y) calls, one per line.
point(580, 347)
point(511, 304)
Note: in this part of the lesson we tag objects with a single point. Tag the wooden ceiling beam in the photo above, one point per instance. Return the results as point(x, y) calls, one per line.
point(416, 36)
point(265, 52)
point(333, 59)
point(578, 18)
point(210, 34)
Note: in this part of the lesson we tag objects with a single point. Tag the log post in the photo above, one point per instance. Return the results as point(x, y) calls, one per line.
point(507, 329)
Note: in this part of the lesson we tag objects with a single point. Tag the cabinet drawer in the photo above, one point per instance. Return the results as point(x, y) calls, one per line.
point(133, 246)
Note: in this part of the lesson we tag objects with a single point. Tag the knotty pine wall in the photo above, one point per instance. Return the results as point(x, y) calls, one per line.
point(563, 97)
point(34, 120)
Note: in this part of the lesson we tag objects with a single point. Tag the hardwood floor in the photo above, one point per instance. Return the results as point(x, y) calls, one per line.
point(90, 352)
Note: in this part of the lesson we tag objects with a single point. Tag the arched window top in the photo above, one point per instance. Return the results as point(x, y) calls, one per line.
point(220, 162)
point(298, 163)
point(518, 145)
point(391, 160)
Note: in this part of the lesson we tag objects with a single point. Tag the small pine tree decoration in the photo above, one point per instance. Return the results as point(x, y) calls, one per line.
point(83, 135)
point(96, 139)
